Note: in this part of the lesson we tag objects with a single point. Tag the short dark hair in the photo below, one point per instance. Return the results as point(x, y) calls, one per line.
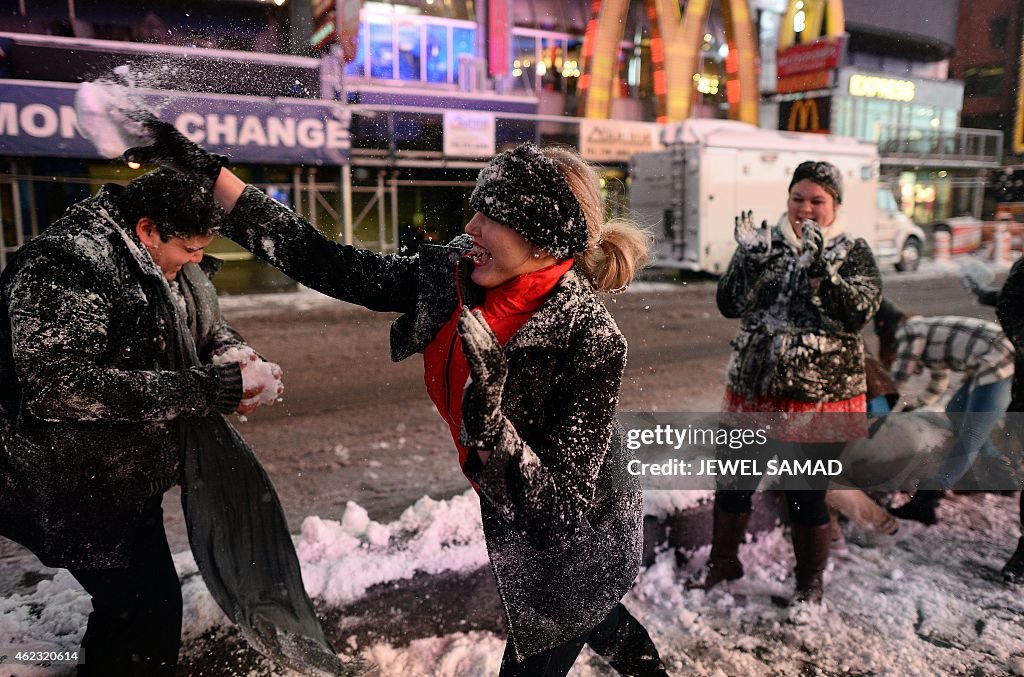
point(179, 204)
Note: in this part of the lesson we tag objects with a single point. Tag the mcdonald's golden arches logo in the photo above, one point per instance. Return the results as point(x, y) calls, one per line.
point(806, 115)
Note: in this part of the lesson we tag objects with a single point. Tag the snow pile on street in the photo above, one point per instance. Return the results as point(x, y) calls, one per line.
point(340, 560)
point(930, 604)
point(472, 653)
point(52, 617)
point(662, 503)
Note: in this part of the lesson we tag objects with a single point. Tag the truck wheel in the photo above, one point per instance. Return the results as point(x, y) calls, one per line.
point(910, 256)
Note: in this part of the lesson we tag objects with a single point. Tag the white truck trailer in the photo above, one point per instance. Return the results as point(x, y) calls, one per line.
point(690, 193)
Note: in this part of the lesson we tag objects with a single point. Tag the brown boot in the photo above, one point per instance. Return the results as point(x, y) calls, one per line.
point(811, 546)
point(730, 528)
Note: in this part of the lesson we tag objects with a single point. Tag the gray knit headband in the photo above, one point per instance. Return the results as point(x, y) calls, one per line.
point(524, 190)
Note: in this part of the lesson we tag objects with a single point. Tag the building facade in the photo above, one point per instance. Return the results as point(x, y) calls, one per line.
point(987, 60)
point(887, 81)
point(378, 140)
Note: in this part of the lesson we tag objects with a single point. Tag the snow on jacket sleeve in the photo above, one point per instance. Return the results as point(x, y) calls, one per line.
point(735, 286)
point(222, 337)
point(750, 282)
point(853, 293)
point(60, 326)
point(292, 245)
point(549, 501)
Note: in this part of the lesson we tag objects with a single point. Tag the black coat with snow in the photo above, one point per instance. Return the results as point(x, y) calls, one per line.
point(562, 525)
point(88, 394)
point(797, 342)
point(1010, 311)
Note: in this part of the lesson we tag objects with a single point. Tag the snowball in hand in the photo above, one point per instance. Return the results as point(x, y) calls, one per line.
point(104, 110)
point(255, 372)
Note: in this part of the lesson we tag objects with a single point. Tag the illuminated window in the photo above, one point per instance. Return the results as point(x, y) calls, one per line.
point(437, 53)
point(382, 57)
point(524, 60)
point(409, 51)
point(424, 48)
point(546, 60)
point(357, 67)
point(463, 42)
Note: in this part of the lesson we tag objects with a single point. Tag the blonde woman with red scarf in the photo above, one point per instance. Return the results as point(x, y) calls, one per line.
point(523, 362)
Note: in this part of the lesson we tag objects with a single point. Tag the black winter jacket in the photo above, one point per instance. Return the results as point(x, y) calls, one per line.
point(795, 342)
point(1010, 311)
point(88, 397)
point(562, 525)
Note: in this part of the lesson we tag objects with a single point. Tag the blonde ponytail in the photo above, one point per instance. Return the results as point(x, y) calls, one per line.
point(615, 250)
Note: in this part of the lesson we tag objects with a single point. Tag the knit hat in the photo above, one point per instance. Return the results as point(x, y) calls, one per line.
point(825, 174)
point(887, 317)
point(524, 190)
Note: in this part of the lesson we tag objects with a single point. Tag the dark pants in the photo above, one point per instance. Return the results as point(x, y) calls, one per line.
point(806, 505)
point(620, 638)
point(135, 625)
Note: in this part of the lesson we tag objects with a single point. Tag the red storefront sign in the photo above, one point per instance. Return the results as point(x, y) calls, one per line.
point(822, 54)
point(804, 82)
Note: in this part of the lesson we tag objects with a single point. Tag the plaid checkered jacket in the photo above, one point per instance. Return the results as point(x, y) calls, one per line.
point(949, 343)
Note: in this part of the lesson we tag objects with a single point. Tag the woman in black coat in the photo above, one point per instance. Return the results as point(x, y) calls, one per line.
point(802, 291)
point(528, 380)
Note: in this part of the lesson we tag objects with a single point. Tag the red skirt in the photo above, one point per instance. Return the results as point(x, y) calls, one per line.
point(797, 421)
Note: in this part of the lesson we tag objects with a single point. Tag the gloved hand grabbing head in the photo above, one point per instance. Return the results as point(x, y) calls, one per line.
point(171, 149)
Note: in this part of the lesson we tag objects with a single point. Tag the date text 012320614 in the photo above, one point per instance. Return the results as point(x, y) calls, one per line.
point(41, 657)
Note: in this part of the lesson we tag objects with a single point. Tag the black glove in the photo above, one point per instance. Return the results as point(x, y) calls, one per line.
point(812, 244)
point(171, 149)
point(481, 401)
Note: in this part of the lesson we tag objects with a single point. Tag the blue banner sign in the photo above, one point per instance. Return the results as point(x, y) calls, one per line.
point(38, 120)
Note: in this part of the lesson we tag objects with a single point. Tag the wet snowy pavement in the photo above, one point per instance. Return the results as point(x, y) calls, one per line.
point(414, 593)
point(415, 596)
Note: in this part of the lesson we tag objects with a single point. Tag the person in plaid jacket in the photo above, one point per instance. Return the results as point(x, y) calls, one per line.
point(976, 348)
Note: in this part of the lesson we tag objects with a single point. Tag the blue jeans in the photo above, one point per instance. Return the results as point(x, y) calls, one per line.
point(983, 407)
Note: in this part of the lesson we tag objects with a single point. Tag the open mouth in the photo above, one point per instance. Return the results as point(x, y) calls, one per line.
point(480, 255)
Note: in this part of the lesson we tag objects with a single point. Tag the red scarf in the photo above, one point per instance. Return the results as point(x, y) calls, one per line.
point(506, 308)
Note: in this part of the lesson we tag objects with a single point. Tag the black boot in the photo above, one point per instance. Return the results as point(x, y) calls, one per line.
point(1013, 570)
point(729, 530)
point(811, 545)
point(920, 508)
point(627, 647)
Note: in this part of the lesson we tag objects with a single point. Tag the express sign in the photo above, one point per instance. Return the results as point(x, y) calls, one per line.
point(39, 120)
